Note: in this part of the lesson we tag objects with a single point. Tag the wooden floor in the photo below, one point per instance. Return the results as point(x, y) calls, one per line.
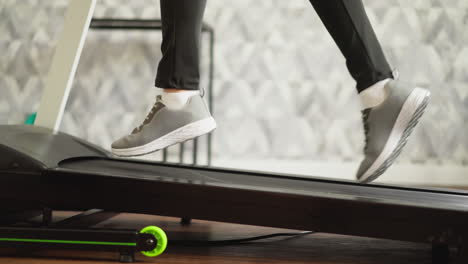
point(315, 248)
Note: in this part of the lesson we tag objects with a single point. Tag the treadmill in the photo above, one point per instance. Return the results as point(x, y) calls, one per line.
point(43, 170)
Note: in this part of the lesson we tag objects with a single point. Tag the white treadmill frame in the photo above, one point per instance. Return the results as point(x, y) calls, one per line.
point(64, 64)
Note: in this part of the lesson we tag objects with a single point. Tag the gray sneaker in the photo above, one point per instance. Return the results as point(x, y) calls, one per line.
point(388, 126)
point(164, 127)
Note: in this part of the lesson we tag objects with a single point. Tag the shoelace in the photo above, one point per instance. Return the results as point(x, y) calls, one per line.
point(365, 118)
point(158, 105)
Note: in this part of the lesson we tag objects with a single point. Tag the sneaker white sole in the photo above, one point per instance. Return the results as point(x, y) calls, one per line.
point(411, 112)
point(179, 135)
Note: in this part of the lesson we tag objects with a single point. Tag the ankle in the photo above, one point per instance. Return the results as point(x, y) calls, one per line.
point(177, 98)
point(174, 90)
point(375, 94)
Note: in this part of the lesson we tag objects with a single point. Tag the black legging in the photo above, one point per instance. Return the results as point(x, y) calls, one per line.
point(345, 20)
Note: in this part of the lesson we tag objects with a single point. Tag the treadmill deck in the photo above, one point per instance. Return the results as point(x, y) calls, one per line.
point(257, 181)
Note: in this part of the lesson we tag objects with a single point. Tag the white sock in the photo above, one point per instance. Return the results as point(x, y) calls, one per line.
point(177, 100)
point(375, 94)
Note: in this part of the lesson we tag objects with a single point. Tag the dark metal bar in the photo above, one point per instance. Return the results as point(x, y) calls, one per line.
point(124, 241)
point(86, 219)
point(181, 152)
point(47, 216)
point(126, 24)
point(133, 24)
point(195, 151)
point(165, 155)
point(210, 93)
point(185, 221)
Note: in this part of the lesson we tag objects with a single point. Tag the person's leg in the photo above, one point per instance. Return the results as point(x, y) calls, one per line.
point(179, 113)
point(391, 109)
point(179, 67)
point(349, 26)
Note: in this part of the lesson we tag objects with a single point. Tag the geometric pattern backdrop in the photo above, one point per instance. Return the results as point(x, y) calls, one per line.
point(281, 87)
